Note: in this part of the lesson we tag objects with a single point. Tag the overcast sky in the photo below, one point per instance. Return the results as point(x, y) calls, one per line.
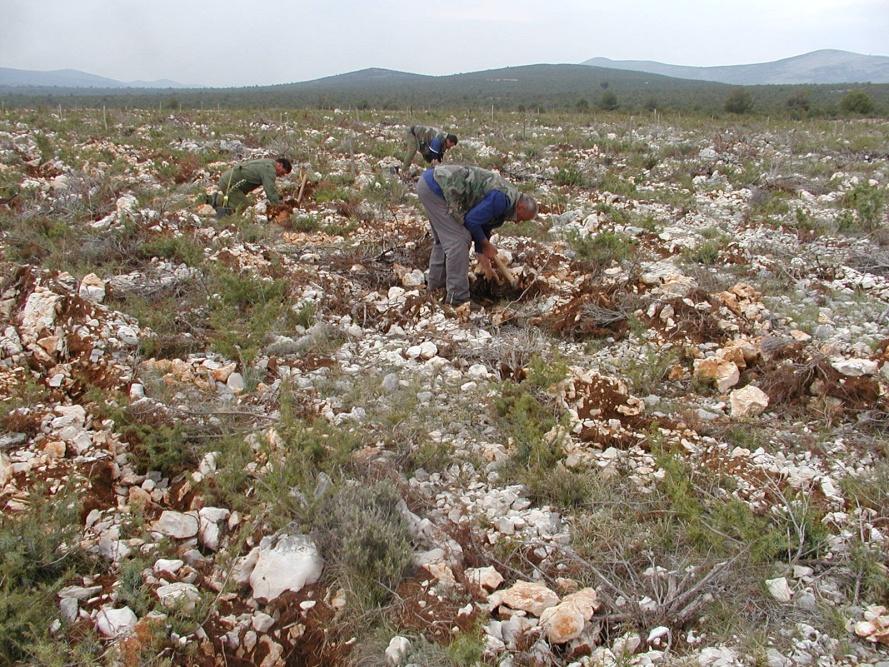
point(222, 43)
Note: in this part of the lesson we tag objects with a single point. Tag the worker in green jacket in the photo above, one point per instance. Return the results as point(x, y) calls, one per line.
point(245, 177)
point(429, 141)
point(466, 204)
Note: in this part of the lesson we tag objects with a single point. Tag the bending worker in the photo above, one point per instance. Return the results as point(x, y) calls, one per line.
point(466, 204)
point(429, 141)
point(245, 177)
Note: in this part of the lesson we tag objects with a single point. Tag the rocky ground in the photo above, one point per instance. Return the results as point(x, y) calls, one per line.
point(259, 441)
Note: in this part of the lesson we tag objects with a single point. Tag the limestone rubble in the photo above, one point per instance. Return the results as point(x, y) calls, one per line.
point(766, 368)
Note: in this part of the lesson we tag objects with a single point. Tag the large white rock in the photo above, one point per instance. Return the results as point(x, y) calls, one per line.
point(566, 620)
point(79, 592)
point(748, 401)
point(171, 565)
point(478, 372)
point(526, 596)
point(779, 589)
point(38, 314)
point(855, 367)
point(177, 525)
point(561, 623)
point(413, 278)
point(92, 288)
point(717, 656)
point(179, 595)
point(236, 383)
point(397, 650)
point(126, 204)
point(723, 373)
point(428, 349)
point(262, 622)
point(210, 518)
point(68, 415)
point(287, 564)
point(115, 622)
point(485, 577)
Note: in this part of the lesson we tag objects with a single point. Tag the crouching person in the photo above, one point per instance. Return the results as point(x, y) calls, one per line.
point(464, 205)
point(245, 177)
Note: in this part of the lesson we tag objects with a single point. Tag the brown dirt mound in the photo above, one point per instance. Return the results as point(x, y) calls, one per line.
point(793, 382)
point(689, 323)
point(594, 313)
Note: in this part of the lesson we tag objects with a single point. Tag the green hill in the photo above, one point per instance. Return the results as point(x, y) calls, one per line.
point(544, 86)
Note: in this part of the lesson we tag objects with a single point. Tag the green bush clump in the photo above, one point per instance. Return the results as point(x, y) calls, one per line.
point(568, 176)
point(739, 101)
point(867, 203)
point(704, 253)
point(40, 550)
point(715, 524)
point(182, 249)
point(527, 414)
point(602, 249)
point(467, 649)
point(364, 537)
point(156, 446)
point(858, 102)
point(245, 309)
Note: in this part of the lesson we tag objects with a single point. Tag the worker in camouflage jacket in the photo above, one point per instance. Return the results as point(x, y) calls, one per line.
point(429, 141)
point(465, 204)
point(245, 177)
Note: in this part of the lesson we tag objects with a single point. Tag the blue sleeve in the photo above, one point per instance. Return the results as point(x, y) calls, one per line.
point(493, 206)
point(436, 146)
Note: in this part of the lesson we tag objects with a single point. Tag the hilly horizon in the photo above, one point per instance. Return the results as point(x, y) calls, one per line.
point(72, 78)
point(539, 86)
point(825, 66)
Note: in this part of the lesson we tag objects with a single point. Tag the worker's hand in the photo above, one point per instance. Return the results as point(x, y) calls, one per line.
point(488, 250)
point(435, 163)
point(485, 265)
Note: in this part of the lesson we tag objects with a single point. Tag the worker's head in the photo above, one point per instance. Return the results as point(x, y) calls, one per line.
point(283, 166)
point(450, 141)
point(525, 208)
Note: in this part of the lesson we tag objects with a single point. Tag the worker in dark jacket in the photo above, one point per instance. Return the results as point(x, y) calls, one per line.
point(245, 177)
point(429, 141)
point(465, 204)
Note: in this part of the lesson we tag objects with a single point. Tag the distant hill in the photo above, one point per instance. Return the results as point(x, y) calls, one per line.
point(72, 78)
point(543, 86)
point(825, 66)
point(527, 85)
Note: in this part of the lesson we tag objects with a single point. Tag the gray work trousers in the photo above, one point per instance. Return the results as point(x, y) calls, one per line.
point(449, 261)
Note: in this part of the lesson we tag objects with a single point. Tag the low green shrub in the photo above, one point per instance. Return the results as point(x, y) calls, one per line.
point(569, 176)
point(866, 202)
point(365, 539)
point(41, 551)
point(602, 249)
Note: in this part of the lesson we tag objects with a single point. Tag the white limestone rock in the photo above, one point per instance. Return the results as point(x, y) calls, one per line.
point(525, 596)
point(177, 525)
point(855, 367)
point(285, 564)
point(92, 288)
point(179, 596)
point(779, 589)
point(487, 578)
point(748, 401)
point(397, 651)
point(114, 623)
point(39, 313)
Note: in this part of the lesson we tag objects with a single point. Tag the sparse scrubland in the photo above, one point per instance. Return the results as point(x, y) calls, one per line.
point(259, 441)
